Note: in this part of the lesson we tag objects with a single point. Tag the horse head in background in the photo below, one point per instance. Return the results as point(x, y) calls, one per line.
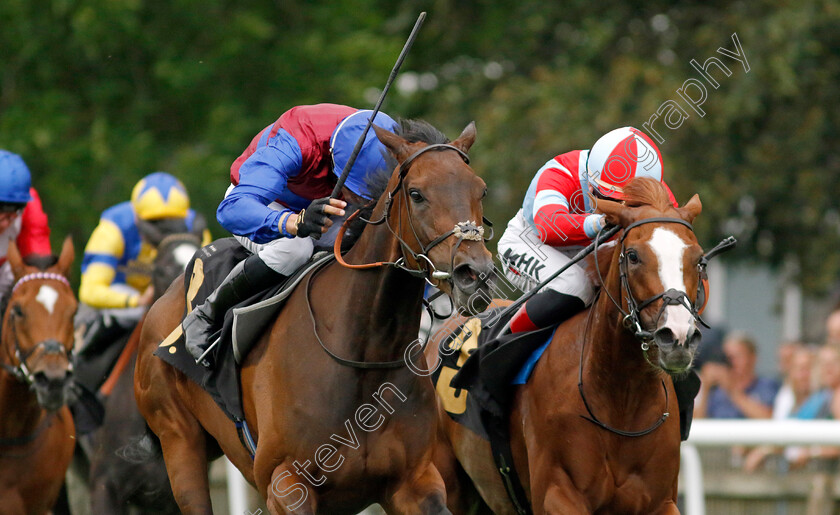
point(38, 325)
point(36, 428)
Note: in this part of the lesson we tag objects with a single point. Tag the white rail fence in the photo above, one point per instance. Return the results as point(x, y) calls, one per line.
point(704, 433)
point(718, 433)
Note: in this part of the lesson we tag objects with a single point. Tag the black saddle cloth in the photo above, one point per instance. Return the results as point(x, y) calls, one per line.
point(208, 268)
point(480, 366)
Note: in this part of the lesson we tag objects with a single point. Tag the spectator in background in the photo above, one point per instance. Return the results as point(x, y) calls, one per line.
point(832, 327)
point(822, 404)
point(734, 390)
point(797, 388)
point(786, 398)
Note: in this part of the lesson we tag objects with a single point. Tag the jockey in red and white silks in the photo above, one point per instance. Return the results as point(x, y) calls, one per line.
point(22, 219)
point(557, 219)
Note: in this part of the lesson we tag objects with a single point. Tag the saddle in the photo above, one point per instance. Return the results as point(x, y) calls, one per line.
point(475, 382)
point(242, 327)
point(479, 367)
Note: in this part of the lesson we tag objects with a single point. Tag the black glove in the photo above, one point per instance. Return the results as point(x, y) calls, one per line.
point(312, 219)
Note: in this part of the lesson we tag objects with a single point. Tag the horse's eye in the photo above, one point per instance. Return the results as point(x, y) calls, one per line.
point(632, 257)
point(17, 311)
point(484, 194)
point(415, 195)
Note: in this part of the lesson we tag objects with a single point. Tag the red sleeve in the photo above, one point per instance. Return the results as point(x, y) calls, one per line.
point(34, 237)
point(557, 191)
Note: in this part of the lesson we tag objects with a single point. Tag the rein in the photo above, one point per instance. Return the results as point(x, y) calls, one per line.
point(468, 230)
point(593, 418)
point(631, 318)
point(462, 230)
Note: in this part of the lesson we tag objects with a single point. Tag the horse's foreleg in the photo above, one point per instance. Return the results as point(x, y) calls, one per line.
point(670, 508)
point(184, 451)
point(422, 494)
point(287, 492)
point(562, 499)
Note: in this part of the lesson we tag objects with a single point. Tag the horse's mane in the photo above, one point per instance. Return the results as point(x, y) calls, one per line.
point(643, 191)
point(412, 131)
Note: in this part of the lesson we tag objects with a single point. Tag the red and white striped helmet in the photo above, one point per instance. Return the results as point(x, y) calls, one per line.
point(619, 156)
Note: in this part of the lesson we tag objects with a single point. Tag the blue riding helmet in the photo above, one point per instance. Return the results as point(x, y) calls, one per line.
point(15, 179)
point(370, 158)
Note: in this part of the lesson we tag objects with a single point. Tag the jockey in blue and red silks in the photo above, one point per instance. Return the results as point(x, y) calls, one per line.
point(279, 197)
point(22, 219)
point(557, 219)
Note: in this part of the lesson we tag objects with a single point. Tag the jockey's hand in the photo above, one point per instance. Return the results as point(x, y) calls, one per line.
point(315, 219)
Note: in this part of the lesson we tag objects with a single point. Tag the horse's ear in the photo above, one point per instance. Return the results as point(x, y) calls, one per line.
point(466, 139)
point(66, 257)
point(15, 260)
point(691, 209)
point(616, 212)
point(398, 146)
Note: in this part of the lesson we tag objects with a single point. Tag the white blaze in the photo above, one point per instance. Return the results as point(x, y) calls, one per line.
point(669, 249)
point(47, 297)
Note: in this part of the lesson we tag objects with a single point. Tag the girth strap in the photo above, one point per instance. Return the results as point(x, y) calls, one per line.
point(497, 430)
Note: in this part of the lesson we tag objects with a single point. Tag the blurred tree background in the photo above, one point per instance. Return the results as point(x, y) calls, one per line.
point(94, 94)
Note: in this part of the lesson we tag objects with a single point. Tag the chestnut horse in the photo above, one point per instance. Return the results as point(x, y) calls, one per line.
point(37, 434)
point(327, 381)
point(596, 427)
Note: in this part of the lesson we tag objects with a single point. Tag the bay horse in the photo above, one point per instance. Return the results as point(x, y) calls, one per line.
point(37, 434)
point(327, 381)
point(122, 471)
point(596, 427)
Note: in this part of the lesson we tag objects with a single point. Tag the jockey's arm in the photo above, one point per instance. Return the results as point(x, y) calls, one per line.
point(34, 237)
point(99, 268)
point(262, 179)
point(557, 226)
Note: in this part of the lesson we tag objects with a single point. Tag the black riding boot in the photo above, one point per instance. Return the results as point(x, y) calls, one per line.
point(546, 308)
point(247, 278)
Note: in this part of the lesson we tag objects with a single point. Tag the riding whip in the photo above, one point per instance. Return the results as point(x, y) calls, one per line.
point(604, 236)
point(344, 173)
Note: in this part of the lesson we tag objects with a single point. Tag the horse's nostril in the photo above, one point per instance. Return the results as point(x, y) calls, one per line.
point(694, 338)
point(664, 337)
point(465, 277)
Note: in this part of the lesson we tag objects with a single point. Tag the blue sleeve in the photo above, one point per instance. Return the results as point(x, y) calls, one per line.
point(262, 179)
point(766, 391)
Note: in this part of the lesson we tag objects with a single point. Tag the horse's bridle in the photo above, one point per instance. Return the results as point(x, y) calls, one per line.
point(462, 230)
point(51, 346)
point(632, 316)
point(468, 230)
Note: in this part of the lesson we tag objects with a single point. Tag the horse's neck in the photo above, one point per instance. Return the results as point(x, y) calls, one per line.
point(386, 302)
point(613, 354)
point(19, 406)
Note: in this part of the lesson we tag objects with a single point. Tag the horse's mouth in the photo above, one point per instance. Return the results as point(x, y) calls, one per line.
point(52, 394)
point(676, 362)
point(471, 303)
